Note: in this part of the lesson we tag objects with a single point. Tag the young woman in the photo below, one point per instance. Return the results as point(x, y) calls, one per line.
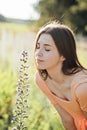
point(60, 75)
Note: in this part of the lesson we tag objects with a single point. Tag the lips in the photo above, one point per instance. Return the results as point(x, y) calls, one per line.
point(38, 60)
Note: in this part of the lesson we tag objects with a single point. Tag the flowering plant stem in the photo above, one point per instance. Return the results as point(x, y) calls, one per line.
point(21, 112)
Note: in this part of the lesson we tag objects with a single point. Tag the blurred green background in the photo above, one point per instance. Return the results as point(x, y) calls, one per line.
point(18, 35)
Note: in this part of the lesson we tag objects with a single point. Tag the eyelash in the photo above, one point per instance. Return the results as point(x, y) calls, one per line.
point(47, 50)
point(37, 47)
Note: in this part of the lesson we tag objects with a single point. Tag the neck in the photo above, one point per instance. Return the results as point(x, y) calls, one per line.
point(57, 75)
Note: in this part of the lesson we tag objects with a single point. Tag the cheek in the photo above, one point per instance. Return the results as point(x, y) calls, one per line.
point(36, 53)
point(52, 57)
point(52, 60)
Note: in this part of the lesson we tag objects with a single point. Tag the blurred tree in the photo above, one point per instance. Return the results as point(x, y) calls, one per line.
point(2, 18)
point(78, 14)
point(72, 12)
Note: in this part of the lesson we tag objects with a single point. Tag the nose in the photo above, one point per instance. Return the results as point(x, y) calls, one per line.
point(39, 53)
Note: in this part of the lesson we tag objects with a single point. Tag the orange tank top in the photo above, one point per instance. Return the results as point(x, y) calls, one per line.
point(76, 112)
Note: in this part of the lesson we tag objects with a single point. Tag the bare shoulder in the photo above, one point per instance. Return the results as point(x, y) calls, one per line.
point(81, 95)
point(81, 89)
point(79, 78)
point(81, 82)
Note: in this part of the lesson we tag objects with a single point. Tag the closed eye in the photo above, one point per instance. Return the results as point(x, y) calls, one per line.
point(47, 49)
point(45, 46)
point(37, 46)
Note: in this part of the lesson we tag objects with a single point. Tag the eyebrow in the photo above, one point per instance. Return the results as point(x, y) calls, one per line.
point(45, 44)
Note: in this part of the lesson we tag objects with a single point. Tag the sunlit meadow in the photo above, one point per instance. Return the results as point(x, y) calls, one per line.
point(13, 40)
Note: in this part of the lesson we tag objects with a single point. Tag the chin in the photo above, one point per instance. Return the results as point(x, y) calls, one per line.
point(40, 67)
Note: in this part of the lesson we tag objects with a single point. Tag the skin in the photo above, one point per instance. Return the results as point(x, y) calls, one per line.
point(47, 57)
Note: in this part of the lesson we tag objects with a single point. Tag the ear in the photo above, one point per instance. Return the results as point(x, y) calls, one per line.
point(62, 58)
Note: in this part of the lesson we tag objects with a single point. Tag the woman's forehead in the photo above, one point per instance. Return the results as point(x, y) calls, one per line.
point(46, 39)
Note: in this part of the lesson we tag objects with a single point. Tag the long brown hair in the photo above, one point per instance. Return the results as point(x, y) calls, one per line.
point(64, 40)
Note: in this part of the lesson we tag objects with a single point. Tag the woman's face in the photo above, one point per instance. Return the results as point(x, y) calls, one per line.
point(46, 54)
